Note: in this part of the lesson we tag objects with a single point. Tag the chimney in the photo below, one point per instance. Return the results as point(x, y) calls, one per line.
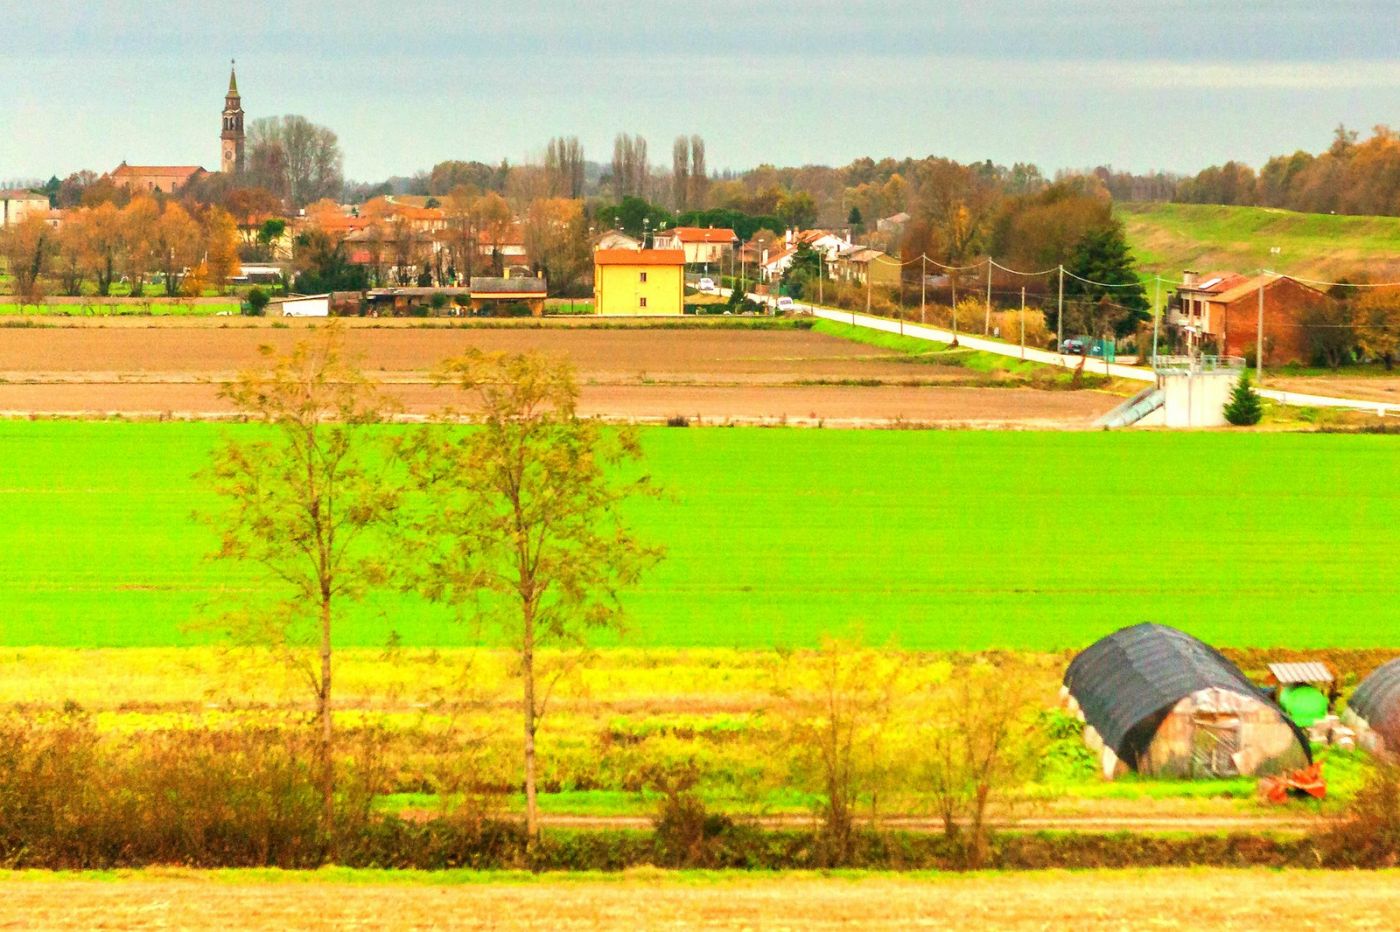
point(1189, 279)
point(788, 238)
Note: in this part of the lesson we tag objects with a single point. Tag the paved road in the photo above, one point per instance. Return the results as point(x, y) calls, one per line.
point(1134, 373)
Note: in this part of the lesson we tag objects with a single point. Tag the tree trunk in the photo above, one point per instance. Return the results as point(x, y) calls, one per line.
point(323, 709)
point(527, 669)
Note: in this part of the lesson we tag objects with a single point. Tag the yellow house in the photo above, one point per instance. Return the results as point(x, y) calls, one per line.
point(639, 282)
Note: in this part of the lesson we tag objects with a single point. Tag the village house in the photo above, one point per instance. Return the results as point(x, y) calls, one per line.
point(615, 239)
point(865, 265)
point(638, 283)
point(17, 206)
point(1222, 311)
point(701, 245)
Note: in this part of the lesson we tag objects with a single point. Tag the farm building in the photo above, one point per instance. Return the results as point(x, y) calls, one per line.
point(1374, 710)
point(1160, 702)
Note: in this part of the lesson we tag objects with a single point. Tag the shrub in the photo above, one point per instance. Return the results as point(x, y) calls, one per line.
point(257, 302)
point(1367, 834)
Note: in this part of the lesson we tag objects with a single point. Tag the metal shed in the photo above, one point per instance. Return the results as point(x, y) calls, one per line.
point(1374, 710)
point(1158, 701)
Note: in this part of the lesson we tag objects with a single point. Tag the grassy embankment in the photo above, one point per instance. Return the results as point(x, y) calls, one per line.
point(1167, 238)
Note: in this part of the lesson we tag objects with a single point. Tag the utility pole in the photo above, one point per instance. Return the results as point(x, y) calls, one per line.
point(1060, 314)
point(869, 266)
point(1023, 323)
point(821, 280)
point(1259, 340)
point(923, 286)
point(1156, 315)
point(987, 324)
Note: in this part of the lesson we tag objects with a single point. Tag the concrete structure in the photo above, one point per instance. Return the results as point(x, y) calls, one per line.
point(17, 206)
point(1221, 313)
point(639, 283)
point(316, 305)
point(231, 158)
point(1194, 390)
point(701, 245)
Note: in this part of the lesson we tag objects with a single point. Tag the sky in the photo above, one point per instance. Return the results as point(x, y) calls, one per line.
point(1138, 84)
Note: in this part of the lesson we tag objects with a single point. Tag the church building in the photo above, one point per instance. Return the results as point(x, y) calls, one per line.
point(170, 178)
point(232, 135)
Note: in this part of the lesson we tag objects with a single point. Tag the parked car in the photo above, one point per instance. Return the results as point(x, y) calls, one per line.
point(707, 286)
point(1072, 347)
point(784, 303)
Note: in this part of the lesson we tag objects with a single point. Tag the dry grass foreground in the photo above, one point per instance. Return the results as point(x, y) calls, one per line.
point(649, 899)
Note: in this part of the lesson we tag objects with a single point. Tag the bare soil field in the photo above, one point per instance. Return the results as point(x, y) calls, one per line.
point(1374, 388)
point(1216, 899)
point(706, 373)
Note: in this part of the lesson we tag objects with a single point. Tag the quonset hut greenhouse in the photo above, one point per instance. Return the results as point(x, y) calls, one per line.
point(1374, 710)
point(1158, 701)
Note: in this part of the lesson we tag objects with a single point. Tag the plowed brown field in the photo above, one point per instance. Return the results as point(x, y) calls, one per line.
point(1176, 899)
point(715, 374)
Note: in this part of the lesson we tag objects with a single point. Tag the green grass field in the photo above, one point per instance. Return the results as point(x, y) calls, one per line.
point(153, 309)
point(1167, 238)
point(938, 540)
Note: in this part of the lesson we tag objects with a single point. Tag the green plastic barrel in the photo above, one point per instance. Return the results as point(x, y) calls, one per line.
point(1304, 704)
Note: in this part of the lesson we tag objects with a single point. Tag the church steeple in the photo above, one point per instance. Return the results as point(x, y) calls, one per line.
point(231, 139)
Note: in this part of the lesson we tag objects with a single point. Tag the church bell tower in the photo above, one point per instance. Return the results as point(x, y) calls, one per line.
point(231, 139)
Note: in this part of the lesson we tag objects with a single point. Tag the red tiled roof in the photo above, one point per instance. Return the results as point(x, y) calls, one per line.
point(22, 194)
point(639, 257)
point(172, 171)
point(702, 234)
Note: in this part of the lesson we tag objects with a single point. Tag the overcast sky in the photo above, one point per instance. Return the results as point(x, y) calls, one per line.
point(1139, 84)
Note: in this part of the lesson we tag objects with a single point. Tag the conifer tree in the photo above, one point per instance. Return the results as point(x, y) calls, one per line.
point(1244, 408)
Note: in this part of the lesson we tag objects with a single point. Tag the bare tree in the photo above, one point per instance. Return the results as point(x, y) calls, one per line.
point(699, 175)
point(680, 174)
point(838, 706)
point(631, 170)
point(978, 742)
point(295, 158)
point(521, 519)
point(303, 501)
point(563, 162)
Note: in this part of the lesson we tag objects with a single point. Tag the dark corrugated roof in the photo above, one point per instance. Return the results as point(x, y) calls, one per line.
point(1377, 700)
point(488, 285)
point(1127, 683)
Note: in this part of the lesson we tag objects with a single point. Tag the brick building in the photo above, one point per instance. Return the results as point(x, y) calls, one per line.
point(1224, 310)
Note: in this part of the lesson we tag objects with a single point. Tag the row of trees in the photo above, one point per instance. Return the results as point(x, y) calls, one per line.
point(1351, 177)
point(105, 244)
point(1362, 324)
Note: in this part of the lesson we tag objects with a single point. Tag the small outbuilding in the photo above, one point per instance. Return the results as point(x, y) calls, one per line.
point(1373, 710)
point(1158, 701)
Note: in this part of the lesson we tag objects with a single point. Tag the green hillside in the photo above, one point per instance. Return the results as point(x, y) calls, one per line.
point(1167, 238)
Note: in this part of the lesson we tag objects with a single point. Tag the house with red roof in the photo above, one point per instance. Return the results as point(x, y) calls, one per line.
point(701, 245)
point(1222, 311)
